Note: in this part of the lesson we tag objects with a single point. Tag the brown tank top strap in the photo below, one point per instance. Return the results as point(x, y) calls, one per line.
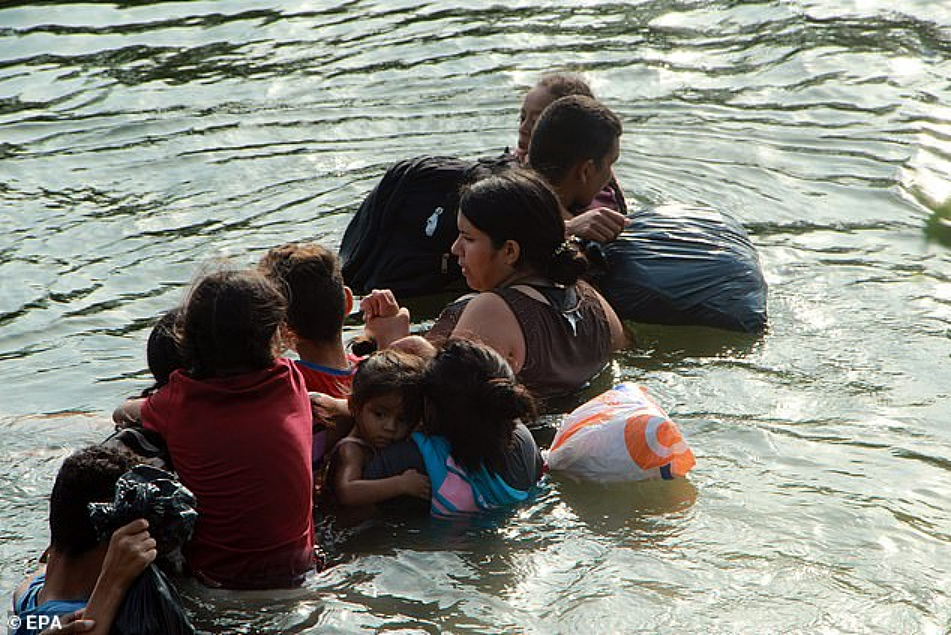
point(448, 319)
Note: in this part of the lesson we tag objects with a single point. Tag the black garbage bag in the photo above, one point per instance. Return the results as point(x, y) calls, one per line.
point(152, 606)
point(684, 265)
point(156, 495)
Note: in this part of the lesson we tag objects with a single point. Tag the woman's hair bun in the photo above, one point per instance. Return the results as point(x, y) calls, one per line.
point(505, 399)
point(568, 263)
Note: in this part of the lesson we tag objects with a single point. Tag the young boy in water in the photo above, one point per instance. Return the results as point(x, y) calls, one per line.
point(81, 569)
point(574, 148)
point(318, 302)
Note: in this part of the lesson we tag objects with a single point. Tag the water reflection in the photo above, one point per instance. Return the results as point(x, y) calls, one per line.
point(140, 139)
point(646, 512)
point(939, 224)
point(659, 346)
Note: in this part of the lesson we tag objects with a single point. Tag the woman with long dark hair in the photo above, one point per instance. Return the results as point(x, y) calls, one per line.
point(555, 330)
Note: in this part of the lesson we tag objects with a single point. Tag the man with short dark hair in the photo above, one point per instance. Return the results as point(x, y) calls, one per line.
point(79, 565)
point(574, 145)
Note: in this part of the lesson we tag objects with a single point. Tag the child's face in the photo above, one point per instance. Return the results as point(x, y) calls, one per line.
point(381, 421)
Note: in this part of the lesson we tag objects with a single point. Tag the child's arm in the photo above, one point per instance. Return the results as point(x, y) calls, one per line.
point(129, 414)
point(353, 490)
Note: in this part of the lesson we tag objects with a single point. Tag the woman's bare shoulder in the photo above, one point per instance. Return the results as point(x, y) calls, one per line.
point(489, 319)
point(486, 305)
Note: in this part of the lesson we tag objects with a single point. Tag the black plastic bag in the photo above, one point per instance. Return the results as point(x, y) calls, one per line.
point(156, 495)
point(684, 265)
point(152, 607)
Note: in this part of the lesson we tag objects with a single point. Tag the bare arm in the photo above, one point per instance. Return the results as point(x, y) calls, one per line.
point(131, 550)
point(71, 623)
point(353, 490)
point(333, 412)
point(620, 338)
point(129, 413)
point(415, 345)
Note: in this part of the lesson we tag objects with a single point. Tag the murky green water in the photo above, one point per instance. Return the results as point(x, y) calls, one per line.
point(140, 141)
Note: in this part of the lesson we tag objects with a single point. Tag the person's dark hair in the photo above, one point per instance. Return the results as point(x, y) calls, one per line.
point(310, 277)
point(87, 476)
point(229, 322)
point(162, 352)
point(570, 130)
point(473, 400)
point(561, 85)
point(518, 205)
point(386, 372)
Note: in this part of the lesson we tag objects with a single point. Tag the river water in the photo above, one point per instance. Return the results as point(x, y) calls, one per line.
point(142, 141)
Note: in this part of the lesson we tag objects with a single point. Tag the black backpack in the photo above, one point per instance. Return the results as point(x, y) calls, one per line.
point(400, 237)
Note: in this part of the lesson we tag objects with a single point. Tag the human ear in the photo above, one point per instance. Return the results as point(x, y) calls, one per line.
point(348, 304)
point(511, 252)
point(586, 170)
point(287, 337)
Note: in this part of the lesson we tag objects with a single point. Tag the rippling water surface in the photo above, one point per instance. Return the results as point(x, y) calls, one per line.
point(141, 141)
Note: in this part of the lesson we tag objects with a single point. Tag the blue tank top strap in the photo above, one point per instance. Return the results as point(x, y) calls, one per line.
point(28, 601)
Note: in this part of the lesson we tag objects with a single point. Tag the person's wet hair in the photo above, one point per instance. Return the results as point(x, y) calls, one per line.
point(570, 130)
point(472, 398)
point(516, 204)
point(163, 352)
point(561, 85)
point(87, 476)
point(386, 372)
point(310, 277)
point(229, 323)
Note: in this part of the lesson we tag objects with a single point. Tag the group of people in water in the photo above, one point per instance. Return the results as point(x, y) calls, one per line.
point(434, 421)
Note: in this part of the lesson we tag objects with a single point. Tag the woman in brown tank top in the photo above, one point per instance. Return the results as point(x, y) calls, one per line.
point(556, 332)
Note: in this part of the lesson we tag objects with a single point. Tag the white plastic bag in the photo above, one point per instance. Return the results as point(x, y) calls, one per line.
point(620, 435)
